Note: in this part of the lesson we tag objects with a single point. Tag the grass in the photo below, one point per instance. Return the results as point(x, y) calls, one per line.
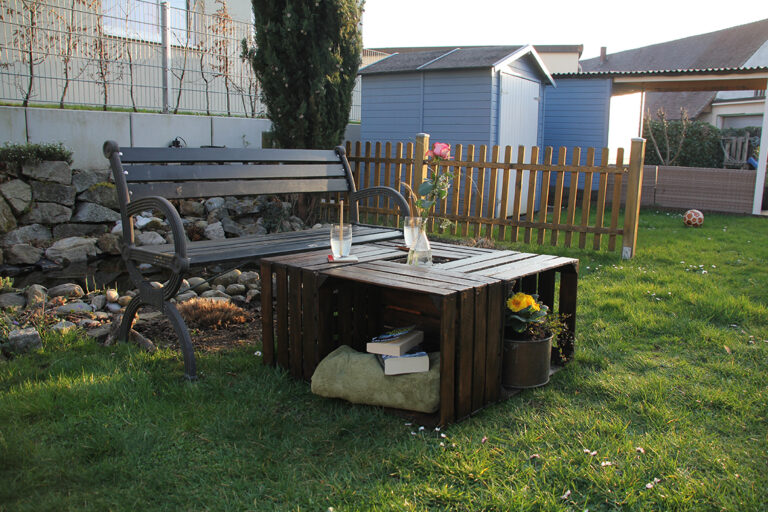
point(670, 359)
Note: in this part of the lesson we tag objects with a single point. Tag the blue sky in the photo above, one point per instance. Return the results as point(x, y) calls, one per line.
point(619, 25)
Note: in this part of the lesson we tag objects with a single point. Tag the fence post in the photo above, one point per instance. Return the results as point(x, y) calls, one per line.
point(165, 18)
point(419, 164)
point(632, 204)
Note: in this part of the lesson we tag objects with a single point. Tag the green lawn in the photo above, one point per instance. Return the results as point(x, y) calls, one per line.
point(663, 409)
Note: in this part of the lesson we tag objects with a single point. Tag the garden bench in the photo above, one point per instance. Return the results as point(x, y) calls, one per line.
point(147, 178)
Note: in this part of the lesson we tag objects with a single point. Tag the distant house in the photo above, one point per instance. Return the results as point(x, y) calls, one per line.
point(744, 46)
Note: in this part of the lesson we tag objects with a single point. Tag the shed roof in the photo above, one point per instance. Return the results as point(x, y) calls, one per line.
point(445, 58)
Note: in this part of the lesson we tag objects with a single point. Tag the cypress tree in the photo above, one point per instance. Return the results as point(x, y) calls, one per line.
point(306, 59)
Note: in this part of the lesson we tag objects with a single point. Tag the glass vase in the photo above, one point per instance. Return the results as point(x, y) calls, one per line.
point(411, 227)
point(420, 253)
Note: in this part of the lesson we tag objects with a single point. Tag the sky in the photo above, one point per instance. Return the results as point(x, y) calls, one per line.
point(618, 25)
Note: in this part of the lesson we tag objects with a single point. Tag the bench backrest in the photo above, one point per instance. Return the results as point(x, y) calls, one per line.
point(183, 173)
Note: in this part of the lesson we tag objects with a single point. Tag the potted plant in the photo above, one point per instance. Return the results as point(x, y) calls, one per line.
point(528, 334)
point(433, 189)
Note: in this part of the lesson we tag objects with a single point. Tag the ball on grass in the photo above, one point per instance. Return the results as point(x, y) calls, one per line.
point(693, 218)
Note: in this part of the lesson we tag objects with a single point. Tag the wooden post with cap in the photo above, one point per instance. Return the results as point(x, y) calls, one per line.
point(632, 204)
point(419, 163)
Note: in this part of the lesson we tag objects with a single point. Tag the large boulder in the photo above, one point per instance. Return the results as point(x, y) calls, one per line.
point(27, 234)
point(23, 254)
point(57, 172)
point(71, 249)
point(101, 193)
point(18, 194)
point(44, 192)
point(75, 229)
point(47, 213)
point(83, 180)
point(22, 341)
point(94, 213)
point(7, 219)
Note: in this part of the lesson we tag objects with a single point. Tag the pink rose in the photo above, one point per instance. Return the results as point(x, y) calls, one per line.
point(430, 154)
point(442, 150)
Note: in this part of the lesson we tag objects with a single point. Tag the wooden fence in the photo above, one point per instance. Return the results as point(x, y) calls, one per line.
point(478, 208)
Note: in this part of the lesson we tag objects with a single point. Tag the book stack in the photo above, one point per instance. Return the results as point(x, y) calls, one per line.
point(399, 351)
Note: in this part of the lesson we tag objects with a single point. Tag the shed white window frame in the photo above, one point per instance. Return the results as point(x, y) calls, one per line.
point(142, 20)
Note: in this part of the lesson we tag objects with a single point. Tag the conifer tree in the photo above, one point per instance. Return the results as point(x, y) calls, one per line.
point(306, 59)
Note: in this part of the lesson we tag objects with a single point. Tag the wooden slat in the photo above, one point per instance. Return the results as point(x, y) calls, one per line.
point(556, 212)
point(531, 193)
point(467, 191)
point(505, 197)
point(602, 190)
point(464, 352)
point(573, 191)
point(568, 299)
point(358, 166)
point(456, 189)
point(141, 154)
point(281, 292)
point(309, 317)
point(616, 200)
point(546, 288)
point(366, 180)
point(480, 189)
point(491, 203)
point(199, 172)
point(448, 327)
point(494, 341)
point(267, 320)
point(377, 180)
point(586, 200)
point(398, 167)
point(171, 190)
point(294, 315)
point(388, 219)
point(479, 353)
point(346, 312)
point(544, 200)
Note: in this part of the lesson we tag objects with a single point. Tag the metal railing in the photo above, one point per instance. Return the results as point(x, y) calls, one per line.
point(126, 54)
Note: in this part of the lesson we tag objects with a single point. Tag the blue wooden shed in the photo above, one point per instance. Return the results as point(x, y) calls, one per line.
point(476, 95)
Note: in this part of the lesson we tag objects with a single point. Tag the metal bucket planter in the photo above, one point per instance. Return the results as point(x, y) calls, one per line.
point(526, 362)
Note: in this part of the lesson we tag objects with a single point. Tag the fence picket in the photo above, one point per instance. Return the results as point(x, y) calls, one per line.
point(468, 180)
point(479, 190)
point(586, 200)
point(531, 194)
point(454, 209)
point(544, 199)
point(558, 195)
point(398, 169)
point(616, 200)
point(602, 189)
point(573, 191)
point(377, 180)
point(491, 206)
point(518, 169)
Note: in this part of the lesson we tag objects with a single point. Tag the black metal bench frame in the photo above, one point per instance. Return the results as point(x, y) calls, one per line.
point(146, 178)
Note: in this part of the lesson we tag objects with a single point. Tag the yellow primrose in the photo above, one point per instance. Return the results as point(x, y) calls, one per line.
point(520, 301)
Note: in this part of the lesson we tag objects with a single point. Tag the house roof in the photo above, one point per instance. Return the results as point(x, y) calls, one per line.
point(724, 50)
point(438, 59)
point(540, 48)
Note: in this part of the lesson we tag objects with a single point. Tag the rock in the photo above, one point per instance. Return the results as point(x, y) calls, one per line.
point(156, 284)
point(213, 293)
point(124, 300)
point(184, 286)
point(23, 254)
point(73, 307)
point(114, 307)
point(57, 172)
point(70, 290)
point(183, 297)
point(199, 285)
point(214, 203)
point(87, 323)
point(63, 327)
point(12, 300)
point(83, 180)
point(7, 219)
point(256, 229)
point(109, 243)
point(27, 234)
point(72, 249)
point(98, 302)
point(141, 222)
point(240, 207)
point(36, 295)
point(46, 213)
point(220, 287)
point(227, 279)
point(43, 192)
point(101, 193)
point(111, 295)
point(214, 231)
point(118, 228)
point(21, 341)
point(18, 194)
point(231, 227)
point(101, 315)
point(296, 223)
point(216, 215)
point(94, 213)
point(191, 208)
point(150, 238)
point(252, 295)
point(249, 279)
point(72, 229)
point(100, 334)
point(235, 289)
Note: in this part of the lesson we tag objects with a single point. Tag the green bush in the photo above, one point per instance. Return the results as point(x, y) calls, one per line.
point(33, 153)
point(701, 145)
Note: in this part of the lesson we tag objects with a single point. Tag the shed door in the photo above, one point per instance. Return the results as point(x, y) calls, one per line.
point(518, 125)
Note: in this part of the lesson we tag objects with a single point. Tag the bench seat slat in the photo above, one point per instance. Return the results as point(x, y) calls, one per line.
point(147, 173)
point(178, 190)
point(130, 155)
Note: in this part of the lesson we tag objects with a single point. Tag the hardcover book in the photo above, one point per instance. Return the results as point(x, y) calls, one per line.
point(416, 361)
point(395, 343)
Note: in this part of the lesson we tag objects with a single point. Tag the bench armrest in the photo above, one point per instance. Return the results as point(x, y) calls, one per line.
point(179, 262)
point(397, 197)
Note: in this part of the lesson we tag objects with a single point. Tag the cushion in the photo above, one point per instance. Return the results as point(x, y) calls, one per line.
point(358, 377)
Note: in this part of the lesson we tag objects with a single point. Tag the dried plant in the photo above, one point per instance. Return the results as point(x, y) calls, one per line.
point(215, 314)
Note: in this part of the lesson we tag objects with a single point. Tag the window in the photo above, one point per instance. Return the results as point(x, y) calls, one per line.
point(142, 19)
